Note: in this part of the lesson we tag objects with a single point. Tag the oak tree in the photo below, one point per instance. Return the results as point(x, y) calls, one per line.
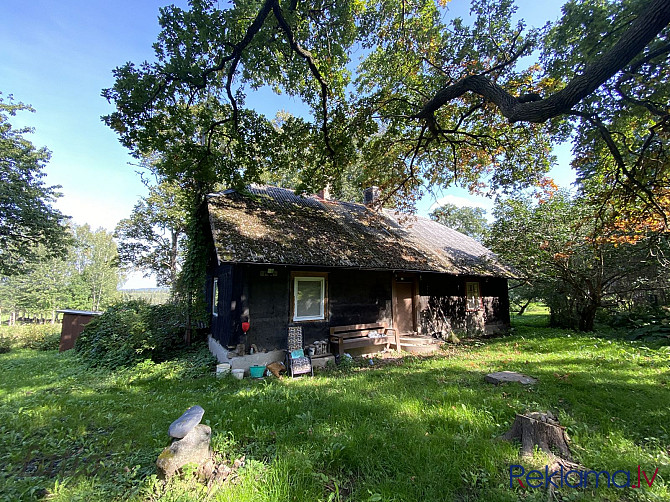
point(431, 101)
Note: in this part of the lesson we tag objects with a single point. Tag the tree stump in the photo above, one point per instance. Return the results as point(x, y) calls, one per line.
point(539, 429)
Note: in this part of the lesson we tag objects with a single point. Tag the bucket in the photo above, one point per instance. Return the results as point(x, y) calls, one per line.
point(257, 371)
point(222, 369)
point(238, 373)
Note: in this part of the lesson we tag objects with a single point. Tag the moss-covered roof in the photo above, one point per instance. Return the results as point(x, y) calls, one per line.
point(273, 226)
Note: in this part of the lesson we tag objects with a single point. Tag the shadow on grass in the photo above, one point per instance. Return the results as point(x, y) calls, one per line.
point(423, 429)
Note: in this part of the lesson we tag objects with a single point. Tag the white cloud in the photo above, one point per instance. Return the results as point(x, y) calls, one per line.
point(458, 201)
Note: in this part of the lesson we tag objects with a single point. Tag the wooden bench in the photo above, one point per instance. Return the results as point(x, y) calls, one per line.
point(356, 335)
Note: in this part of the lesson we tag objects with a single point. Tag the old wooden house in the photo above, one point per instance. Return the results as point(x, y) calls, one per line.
point(281, 260)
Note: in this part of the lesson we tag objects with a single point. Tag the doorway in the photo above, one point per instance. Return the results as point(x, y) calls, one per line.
point(404, 318)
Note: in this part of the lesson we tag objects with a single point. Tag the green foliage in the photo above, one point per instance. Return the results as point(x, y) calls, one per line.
point(405, 96)
point(86, 278)
point(31, 336)
point(96, 261)
point(151, 239)
point(554, 246)
point(467, 220)
point(131, 331)
point(208, 59)
point(154, 296)
point(188, 290)
point(28, 222)
point(643, 323)
point(382, 432)
point(618, 143)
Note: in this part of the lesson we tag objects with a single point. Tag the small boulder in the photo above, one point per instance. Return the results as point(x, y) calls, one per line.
point(185, 424)
point(509, 376)
point(193, 448)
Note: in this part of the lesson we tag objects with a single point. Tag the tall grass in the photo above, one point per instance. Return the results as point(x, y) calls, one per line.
point(30, 336)
point(411, 429)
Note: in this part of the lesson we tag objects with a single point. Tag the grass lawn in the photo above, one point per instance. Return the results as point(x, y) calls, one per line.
point(414, 429)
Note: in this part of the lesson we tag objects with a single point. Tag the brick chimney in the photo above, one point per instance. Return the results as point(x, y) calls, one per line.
point(371, 196)
point(324, 193)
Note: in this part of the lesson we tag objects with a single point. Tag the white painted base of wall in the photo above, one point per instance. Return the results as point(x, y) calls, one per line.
point(244, 362)
point(259, 359)
point(217, 350)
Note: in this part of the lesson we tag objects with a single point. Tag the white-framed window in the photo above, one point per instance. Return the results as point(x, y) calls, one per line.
point(215, 297)
point(309, 298)
point(474, 298)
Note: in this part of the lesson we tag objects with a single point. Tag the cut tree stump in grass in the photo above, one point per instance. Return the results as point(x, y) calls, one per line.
point(543, 430)
point(539, 429)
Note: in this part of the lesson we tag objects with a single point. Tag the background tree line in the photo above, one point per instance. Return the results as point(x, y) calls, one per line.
point(431, 103)
point(85, 278)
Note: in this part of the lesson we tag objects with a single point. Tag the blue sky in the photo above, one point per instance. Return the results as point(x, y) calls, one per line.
point(58, 55)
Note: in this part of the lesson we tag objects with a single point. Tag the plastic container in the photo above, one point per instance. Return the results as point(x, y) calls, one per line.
point(238, 373)
point(257, 371)
point(222, 369)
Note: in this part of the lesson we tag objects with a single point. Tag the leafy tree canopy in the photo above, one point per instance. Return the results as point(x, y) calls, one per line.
point(86, 278)
point(550, 243)
point(467, 220)
point(151, 239)
point(430, 102)
point(29, 226)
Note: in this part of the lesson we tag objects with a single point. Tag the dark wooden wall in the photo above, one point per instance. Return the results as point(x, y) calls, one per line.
point(354, 297)
point(447, 294)
point(360, 297)
point(262, 294)
point(225, 327)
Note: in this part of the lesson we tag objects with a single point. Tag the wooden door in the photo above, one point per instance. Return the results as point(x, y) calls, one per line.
point(403, 311)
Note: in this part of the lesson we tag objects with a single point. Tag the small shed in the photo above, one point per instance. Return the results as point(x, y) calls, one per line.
point(73, 324)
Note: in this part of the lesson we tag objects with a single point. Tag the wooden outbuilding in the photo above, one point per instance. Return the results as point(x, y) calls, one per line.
point(73, 324)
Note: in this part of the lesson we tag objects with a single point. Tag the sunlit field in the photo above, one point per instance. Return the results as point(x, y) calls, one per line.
point(403, 429)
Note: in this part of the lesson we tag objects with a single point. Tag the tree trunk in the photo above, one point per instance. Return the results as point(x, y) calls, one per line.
point(649, 23)
point(587, 317)
point(173, 257)
point(524, 307)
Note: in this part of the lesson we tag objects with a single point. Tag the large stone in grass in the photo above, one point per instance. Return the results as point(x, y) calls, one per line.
point(193, 448)
point(185, 424)
point(509, 376)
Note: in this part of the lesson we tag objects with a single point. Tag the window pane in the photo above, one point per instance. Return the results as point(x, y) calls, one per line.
point(215, 297)
point(472, 291)
point(308, 298)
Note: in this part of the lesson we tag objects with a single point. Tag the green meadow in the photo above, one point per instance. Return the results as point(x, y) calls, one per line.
point(400, 429)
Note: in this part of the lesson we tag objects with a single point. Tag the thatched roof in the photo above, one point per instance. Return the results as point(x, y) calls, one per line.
point(273, 226)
